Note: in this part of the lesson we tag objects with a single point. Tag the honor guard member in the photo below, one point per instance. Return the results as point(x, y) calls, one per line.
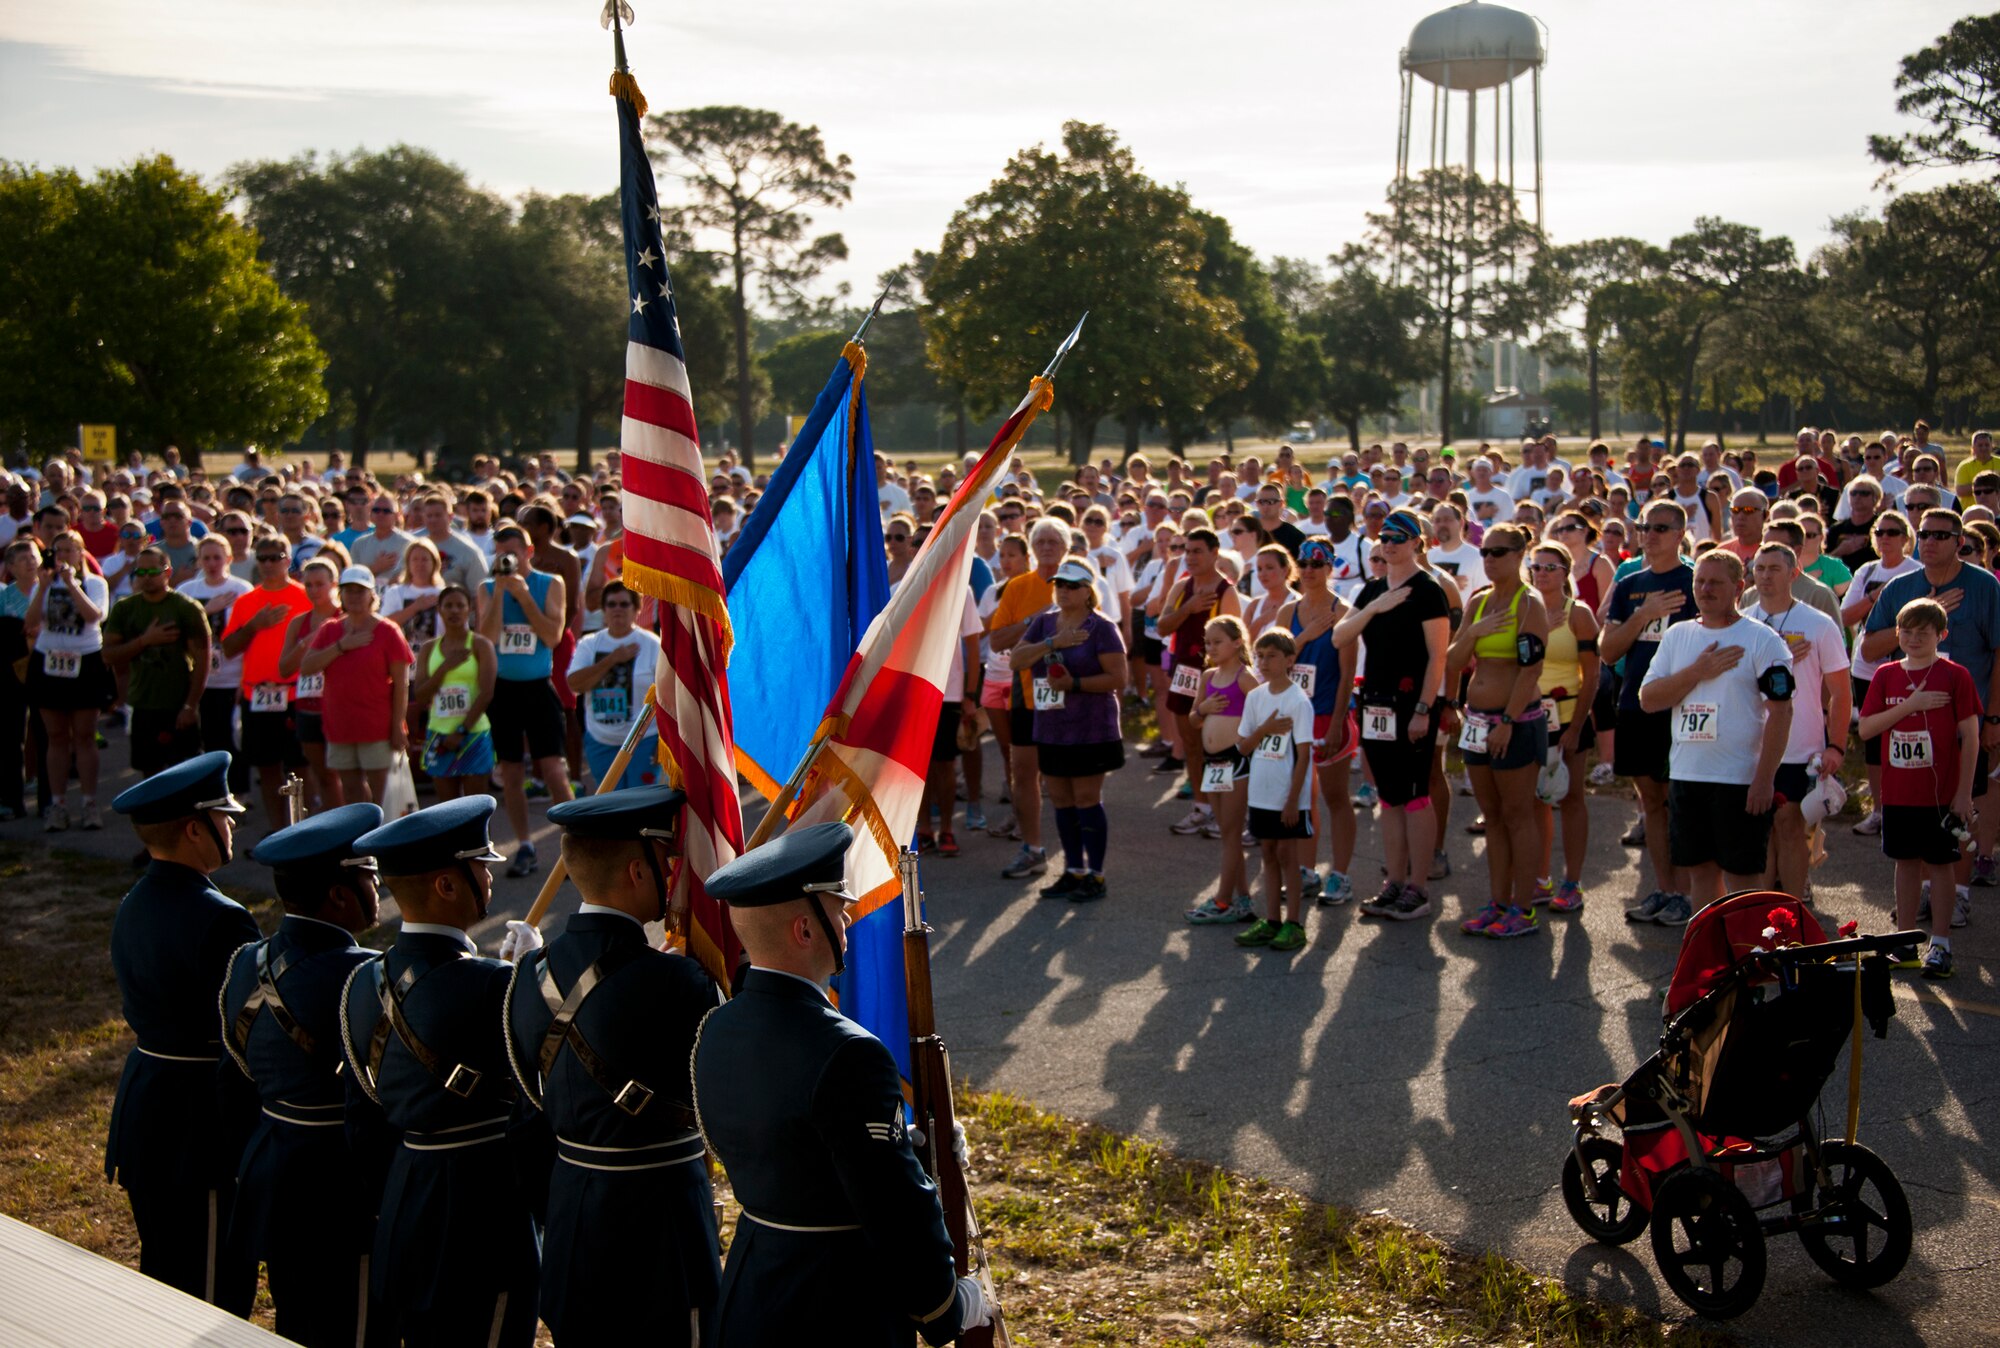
point(178, 1123)
point(306, 1190)
point(600, 1026)
point(454, 1260)
point(806, 1111)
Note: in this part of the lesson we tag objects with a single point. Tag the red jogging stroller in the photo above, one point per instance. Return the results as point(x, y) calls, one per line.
point(1717, 1146)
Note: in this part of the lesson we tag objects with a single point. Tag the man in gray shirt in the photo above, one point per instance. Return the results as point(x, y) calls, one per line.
point(382, 550)
point(464, 563)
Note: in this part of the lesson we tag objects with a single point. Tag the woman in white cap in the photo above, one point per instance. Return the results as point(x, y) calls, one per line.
point(366, 663)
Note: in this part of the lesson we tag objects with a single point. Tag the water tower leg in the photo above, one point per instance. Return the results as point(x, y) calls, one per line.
point(1538, 148)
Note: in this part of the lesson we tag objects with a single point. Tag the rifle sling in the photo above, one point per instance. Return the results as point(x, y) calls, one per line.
point(459, 1079)
point(265, 996)
point(631, 1095)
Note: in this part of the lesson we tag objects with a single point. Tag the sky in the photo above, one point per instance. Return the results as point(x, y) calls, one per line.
point(1277, 114)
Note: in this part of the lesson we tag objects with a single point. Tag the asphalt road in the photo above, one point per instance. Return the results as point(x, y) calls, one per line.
point(1409, 1069)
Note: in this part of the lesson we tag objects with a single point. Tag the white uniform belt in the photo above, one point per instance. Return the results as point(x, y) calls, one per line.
point(464, 1135)
point(305, 1116)
point(793, 1226)
point(178, 1057)
point(652, 1156)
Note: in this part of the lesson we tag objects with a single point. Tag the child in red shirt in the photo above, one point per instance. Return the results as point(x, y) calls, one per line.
point(1929, 711)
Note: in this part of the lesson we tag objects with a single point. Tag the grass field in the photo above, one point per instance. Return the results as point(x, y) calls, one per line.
point(1096, 1238)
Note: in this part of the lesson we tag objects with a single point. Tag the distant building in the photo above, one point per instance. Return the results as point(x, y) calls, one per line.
point(1511, 414)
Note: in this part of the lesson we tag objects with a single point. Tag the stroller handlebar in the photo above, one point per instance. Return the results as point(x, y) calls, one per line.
point(1850, 945)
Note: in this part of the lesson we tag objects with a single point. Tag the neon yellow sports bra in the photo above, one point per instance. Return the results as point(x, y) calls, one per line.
point(1499, 645)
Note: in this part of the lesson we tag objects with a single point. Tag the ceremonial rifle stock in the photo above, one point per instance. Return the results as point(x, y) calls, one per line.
point(930, 1073)
point(294, 792)
point(612, 776)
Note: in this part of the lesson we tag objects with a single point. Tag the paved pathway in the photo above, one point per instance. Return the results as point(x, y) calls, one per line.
point(1409, 1069)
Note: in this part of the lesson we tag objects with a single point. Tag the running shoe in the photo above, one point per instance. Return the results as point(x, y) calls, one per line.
point(1259, 933)
point(1568, 898)
point(975, 816)
point(1154, 748)
point(1545, 891)
point(1514, 922)
point(1477, 828)
point(1185, 791)
point(1191, 823)
point(1209, 913)
point(1676, 912)
point(1291, 936)
point(1985, 872)
point(1380, 905)
point(1602, 775)
point(1028, 861)
point(524, 862)
point(1440, 865)
point(1249, 839)
point(1367, 798)
point(1245, 909)
point(1907, 960)
point(1066, 884)
point(1337, 890)
point(1464, 784)
point(536, 789)
point(1477, 924)
point(947, 844)
point(926, 844)
point(1961, 911)
point(1310, 883)
point(57, 819)
point(1648, 908)
point(1870, 825)
point(93, 818)
point(1089, 889)
point(1170, 764)
point(1211, 828)
point(1410, 905)
point(1635, 836)
point(1937, 963)
point(1009, 831)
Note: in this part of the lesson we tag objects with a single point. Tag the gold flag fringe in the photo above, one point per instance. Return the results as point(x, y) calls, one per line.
point(625, 87)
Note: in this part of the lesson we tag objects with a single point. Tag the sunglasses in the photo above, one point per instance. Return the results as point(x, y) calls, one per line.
point(1660, 528)
point(1892, 533)
point(897, 538)
point(1072, 584)
point(1976, 491)
point(1497, 552)
point(1968, 550)
point(1570, 528)
point(144, 571)
point(1314, 564)
point(238, 530)
point(1177, 548)
point(291, 510)
point(1937, 535)
point(1547, 566)
point(1747, 510)
point(272, 557)
point(381, 510)
point(1395, 538)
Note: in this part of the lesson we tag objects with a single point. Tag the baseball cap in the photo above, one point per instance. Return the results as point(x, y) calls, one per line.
point(358, 575)
point(582, 519)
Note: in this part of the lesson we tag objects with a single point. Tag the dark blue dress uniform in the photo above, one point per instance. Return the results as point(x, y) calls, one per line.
point(306, 1189)
point(181, 1114)
point(841, 1237)
point(455, 1257)
point(631, 1254)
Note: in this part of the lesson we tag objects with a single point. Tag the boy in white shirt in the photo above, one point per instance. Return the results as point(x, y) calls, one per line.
point(1277, 741)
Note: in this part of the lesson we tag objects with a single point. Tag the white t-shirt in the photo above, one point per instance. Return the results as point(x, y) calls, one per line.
point(418, 627)
point(1502, 502)
point(1144, 590)
point(1115, 582)
point(63, 628)
point(1313, 528)
point(1350, 563)
point(997, 665)
point(1271, 758)
point(892, 497)
point(1735, 478)
point(1869, 578)
point(1817, 650)
point(1697, 529)
point(1463, 564)
point(1718, 727)
point(608, 708)
point(224, 671)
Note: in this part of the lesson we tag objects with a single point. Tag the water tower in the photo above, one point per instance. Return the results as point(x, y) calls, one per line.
point(1470, 49)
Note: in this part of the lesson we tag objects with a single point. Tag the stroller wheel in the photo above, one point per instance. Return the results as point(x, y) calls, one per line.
point(1858, 1228)
point(1708, 1243)
point(1614, 1223)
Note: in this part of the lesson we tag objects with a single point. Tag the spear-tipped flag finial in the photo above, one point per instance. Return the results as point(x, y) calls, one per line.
point(1063, 350)
point(873, 310)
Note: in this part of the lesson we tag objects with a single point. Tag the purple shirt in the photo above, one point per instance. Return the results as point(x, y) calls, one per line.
point(1084, 718)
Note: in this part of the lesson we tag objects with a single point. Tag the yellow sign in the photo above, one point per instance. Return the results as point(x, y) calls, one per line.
point(794, 423)
point(98, 442)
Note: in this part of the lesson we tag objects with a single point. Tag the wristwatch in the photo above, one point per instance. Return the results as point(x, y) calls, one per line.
point(1990, 720)
point(1422, 709)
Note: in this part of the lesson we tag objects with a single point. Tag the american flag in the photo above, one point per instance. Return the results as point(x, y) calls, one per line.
point(670, 554)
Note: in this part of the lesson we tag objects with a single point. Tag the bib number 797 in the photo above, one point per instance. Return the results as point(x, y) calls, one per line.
point(1695, 722)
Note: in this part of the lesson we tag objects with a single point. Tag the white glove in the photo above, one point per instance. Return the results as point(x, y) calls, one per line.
point(976, 1312)
point(520, 942)
point(959, 1149)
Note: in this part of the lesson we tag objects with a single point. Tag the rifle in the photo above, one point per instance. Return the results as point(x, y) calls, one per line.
point(294, 792)
point(930, 1073)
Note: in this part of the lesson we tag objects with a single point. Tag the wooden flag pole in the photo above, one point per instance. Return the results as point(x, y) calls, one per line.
point(640, 725)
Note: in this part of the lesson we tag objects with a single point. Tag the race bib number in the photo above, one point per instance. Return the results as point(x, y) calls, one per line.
point(1555, 719)
point(1218, 775)
point(450, 702)
point(1378, 723)
point(1048, 698)
point(1653, 630)
point(1695, 722)
point(1910, 749)
point(1275, 748)
point(270, 697)
point(517, 639)
point(1306, 677)
point(610, 706)
point(1472, 739)
point(214, 658)
point(312, 685)
point(1187, 680)
point(62, 664)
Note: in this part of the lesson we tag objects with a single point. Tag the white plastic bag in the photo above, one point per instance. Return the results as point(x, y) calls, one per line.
point(399, 794)
point(1552, 782)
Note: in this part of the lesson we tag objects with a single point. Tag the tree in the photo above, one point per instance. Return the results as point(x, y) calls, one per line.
point(401, 264)
point(1274, 397)
point(136, 299)
point(1568, 280)
point(1718, 269)
point(1365, 327)
point(753, 176)
point(1954, 84)
point(1467, 252)
point(1061, 232)
point(1910, 309)
point(798, 366)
